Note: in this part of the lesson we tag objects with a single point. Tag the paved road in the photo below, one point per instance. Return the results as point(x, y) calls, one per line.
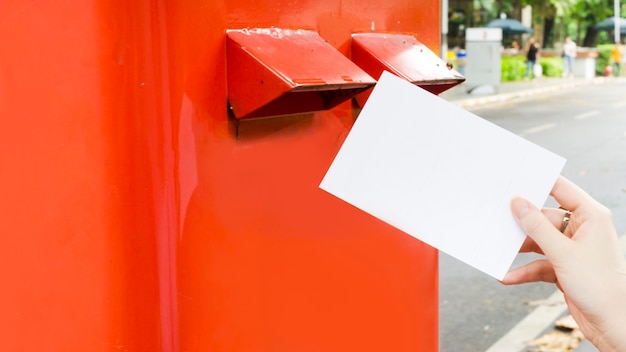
point(586, 125)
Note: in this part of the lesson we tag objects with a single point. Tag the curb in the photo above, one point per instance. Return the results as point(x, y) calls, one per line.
point(527, 93)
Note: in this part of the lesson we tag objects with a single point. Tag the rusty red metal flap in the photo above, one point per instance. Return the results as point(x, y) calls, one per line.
point(404, 56)
point(273, 72)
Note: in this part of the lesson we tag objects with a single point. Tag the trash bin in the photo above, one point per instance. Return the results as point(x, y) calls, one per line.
point(461, 60)
point(585, 63)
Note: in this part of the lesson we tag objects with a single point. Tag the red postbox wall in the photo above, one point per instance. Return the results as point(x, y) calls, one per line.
point(137, 216)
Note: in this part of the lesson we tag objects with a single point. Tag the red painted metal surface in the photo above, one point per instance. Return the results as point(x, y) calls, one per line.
point(274, 71)
point(137, 216)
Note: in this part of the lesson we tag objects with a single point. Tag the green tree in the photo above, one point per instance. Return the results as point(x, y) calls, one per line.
point(544, 13)
point(552, 19)
point(577, 18)
point(586, 14)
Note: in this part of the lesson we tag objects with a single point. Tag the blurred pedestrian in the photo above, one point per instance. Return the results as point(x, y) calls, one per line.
point(515, 47)
point(532, 53)
point(623, 63)
point(569, 54)
point(616, 58)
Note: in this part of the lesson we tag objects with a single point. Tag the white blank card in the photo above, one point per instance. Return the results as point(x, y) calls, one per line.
point(441, 174)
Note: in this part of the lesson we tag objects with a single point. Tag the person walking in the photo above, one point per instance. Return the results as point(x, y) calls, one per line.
point(616, 58)
point(569, 54)
point(623, 62)
point(532, 50)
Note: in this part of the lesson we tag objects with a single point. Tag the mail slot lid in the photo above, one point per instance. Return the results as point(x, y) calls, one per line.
point(273, 71)
point(404, 56)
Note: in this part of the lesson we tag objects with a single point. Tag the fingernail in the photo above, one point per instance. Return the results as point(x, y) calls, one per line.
point(520, 207)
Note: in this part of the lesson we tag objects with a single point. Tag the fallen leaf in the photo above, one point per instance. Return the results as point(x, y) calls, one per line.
point(567, 322)
point(557, 341)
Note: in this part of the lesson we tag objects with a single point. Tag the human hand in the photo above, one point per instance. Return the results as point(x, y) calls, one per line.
point(585, 262)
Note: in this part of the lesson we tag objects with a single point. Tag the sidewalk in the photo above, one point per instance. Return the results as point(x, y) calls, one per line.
point(517, 90)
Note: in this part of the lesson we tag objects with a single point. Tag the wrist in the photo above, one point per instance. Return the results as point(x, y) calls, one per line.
point(613, 327)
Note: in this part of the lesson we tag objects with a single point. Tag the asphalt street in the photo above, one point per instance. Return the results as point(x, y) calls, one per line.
point(586, 124)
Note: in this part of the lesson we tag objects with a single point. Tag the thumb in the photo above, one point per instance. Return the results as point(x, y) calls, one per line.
point(539, 228)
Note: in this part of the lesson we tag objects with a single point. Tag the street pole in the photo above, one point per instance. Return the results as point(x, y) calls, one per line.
point(616, 28)
point(444, 30)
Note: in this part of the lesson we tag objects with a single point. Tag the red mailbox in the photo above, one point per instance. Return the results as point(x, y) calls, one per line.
point(139, 214)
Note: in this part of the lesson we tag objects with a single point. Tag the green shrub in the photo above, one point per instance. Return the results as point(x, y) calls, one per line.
point(552, 66)
point(604, 58)
point(514, 67)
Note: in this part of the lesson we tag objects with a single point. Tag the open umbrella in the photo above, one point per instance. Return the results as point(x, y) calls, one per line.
point(609, 24)
point(509, 26)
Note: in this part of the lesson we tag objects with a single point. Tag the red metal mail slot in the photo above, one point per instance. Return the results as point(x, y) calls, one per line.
point(273, 72)
point(404, 56)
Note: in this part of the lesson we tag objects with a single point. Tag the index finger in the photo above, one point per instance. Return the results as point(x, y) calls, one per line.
point(568, 195)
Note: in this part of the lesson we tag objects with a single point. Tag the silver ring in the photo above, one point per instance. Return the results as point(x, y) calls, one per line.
point(565, 220)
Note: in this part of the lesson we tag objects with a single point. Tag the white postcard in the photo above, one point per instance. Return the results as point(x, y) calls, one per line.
point(441, 174)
